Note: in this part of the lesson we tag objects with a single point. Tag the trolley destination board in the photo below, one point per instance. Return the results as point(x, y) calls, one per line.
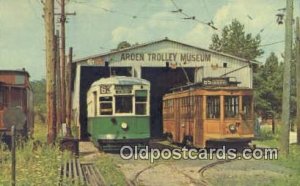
point(215, 81)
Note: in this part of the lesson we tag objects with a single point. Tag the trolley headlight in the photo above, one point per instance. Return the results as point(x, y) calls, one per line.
point(232, 128)
point(124, 125)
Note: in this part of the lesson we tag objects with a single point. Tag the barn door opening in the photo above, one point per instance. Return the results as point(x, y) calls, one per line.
point(162, 79)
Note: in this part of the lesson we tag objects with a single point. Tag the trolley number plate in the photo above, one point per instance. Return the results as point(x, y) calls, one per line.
point(105, 89)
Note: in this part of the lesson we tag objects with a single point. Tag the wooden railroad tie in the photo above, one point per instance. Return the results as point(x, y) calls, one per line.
point(76, 173)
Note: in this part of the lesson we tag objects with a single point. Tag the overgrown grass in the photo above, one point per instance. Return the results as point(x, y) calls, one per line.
point(36, 163)
point(291, 162)
point(267, 138)
point(110, 171)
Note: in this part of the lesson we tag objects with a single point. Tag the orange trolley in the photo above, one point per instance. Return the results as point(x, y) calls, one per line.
point(213, 111)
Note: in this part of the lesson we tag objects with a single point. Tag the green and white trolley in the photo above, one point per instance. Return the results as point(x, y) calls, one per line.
point(118, 110)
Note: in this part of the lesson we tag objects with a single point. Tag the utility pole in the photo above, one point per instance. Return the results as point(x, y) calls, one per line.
point(58, 96)
point(63, 20)
point(298, 78)
point(69, 92)
point(50, 74)
point(286, 97)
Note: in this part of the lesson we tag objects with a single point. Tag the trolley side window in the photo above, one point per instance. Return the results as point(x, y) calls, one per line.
point(187, 107)
point(247, 106)
point(231, 106)
point(17, 97)
point(105, 105)
point(123, 104)
point(3, 97)
point(140, 102)
point(213, 107)
point(168, 109)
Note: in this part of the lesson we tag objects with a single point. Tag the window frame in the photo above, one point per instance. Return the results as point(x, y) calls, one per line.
point(143, 102)
point(110, 101)
point(233, 103)
point(250, 115)
point(115, 104)
point(216, 107)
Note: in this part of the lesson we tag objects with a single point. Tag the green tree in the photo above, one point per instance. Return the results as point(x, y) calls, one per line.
point(235, 41)
point(123, 44)
point(268, 85)
point(39, 94)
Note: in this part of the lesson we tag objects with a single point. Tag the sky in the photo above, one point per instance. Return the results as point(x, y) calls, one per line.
point(99, 25)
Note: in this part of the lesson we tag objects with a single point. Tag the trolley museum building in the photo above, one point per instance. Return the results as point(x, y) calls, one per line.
point(165, 64)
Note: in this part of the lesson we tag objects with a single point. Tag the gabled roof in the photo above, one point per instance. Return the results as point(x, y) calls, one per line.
point(159, 41)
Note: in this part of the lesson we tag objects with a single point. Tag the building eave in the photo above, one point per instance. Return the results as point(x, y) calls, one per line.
point(80, 60)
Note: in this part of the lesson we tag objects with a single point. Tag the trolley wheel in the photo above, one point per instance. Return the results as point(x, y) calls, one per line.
point(170, 138)
point(188, 141)
point(100, 148)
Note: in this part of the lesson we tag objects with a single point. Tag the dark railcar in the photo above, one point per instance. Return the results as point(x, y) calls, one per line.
point(16, 94)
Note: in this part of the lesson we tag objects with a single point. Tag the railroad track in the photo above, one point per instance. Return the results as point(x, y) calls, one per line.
point(202, 181)
point(134, 181)
point(203, 169)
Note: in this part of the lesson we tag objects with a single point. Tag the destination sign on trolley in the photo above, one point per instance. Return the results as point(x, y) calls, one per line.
point(215, 81)
point(123, 89)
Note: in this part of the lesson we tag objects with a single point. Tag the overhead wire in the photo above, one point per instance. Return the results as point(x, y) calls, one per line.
point(180, 10)
point(34, 11)
point(132, 16)
point(273, 43)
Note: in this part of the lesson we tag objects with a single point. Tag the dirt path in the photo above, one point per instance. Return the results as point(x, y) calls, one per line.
point(88, 152)
point(185, 172)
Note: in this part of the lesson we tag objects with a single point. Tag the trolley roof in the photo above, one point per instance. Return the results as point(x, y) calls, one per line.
point(121, 80)
point(8, 71)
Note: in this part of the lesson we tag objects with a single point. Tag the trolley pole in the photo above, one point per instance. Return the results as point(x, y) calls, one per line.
point(286, 97)
point(50, 73)
point(298, 77)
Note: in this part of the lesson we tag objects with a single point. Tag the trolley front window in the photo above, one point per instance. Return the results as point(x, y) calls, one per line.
point(231, 106)
point(141, 102)
point(247, 106)
point(213, 107)
point(123, 104)
point(105, 105)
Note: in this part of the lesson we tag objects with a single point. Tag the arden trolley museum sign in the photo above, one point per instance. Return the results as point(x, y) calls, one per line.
point(168, 57)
